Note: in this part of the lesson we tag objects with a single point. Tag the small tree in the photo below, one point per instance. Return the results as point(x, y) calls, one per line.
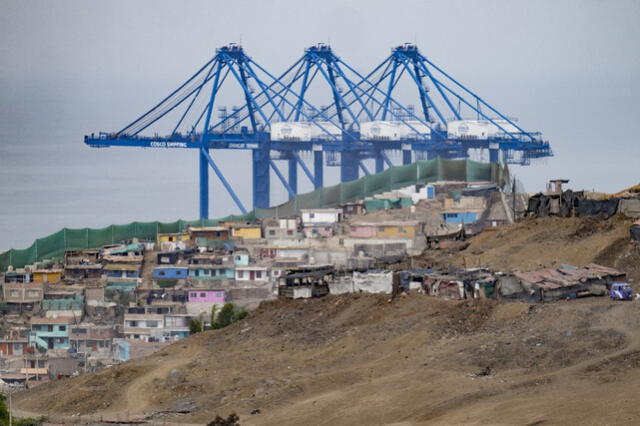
point(226, 315)
point(195, 326)
point(240, 314)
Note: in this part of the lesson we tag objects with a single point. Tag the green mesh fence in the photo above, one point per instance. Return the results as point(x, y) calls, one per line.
point(428, 171)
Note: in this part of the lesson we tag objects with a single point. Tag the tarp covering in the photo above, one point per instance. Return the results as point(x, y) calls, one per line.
point(597, 207)
point(427, 171)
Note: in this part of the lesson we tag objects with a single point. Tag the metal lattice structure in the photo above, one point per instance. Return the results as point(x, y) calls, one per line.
point(359, 119)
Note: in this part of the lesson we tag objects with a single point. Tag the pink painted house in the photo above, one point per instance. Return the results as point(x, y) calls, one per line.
point(363, 231)
point(207, 296)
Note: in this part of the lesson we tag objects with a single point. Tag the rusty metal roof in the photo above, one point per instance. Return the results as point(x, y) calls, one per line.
point(552, 278)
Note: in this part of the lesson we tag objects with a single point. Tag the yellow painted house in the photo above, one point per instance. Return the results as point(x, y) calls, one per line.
point(47, 276)
point(248, 232)
point(173, 238)
point(397, 230)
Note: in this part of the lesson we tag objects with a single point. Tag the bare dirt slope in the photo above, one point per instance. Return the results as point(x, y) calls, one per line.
point(547, 242)
point(357, 359)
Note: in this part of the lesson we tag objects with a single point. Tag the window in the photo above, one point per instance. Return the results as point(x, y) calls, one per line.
point(62, 328)
point(170, 238)
point(258, 274)
point(79, 330)
point(381, 228)
point(197, 272)
point(203, 294)
point(152, 324)
point(178, 272)
point(312, 215)
point(161, 273)
point(41, 362)
point(289, 232)
point(240, 274)
point(14, 293)
point(33, 293)
point(272, 232)
point(194, 295)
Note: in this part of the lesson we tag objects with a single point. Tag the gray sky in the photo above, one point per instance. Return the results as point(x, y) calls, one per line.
point(567, 68)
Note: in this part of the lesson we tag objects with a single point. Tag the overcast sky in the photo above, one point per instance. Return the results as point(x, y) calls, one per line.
point(566, 68)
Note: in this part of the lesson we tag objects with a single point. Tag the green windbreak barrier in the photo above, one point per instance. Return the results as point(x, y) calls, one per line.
point(403, 176)
point(350, 191)
point(331, 195)
point(428, 171)
point(380, 182)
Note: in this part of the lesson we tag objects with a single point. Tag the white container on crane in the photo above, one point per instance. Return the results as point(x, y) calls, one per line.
point(479, 129)
point(304, 131)
point(325, 130)
point(299, 131)
point(393, 130)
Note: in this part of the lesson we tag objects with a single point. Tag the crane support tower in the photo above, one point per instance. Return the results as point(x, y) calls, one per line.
point(323, 110)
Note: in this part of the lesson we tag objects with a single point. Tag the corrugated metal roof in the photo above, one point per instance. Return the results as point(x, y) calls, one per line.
point(552, 278)
point(121, 267)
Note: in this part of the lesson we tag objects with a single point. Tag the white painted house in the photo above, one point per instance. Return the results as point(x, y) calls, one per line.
point(252, 273)
point(311, 217)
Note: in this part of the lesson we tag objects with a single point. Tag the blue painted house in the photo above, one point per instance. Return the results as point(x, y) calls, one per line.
point(211, 272)
point(170, 273)
point(241, 258)
point(50, 333)
point(460, 217)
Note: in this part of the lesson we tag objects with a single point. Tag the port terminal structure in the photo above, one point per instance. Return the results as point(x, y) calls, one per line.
point(277, 119)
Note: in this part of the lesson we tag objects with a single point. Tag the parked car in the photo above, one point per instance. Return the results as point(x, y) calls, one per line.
point(621, 291)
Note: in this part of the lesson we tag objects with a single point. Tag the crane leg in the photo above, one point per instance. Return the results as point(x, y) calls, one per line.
point(293, 175)
point(349, 163)
point(261, 174)
point(379, 162)
point(204, 186)
point(406, 156)
point(318, 169)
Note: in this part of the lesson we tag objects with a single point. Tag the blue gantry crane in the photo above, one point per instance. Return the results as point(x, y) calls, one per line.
point(324, 107)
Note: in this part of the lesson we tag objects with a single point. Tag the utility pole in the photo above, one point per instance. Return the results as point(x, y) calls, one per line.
point(513, 196)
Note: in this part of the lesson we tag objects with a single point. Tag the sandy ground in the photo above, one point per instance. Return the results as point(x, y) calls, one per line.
point(360, 360)
point(417, 360)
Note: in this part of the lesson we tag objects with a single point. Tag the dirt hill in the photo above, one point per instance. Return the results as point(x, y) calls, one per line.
point(361, 359)
point(358, 359)
point(546, 242)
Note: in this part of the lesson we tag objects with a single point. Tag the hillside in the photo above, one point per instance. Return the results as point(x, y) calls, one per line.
point(360, 360)
point(363, 359)
point(545, 242)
